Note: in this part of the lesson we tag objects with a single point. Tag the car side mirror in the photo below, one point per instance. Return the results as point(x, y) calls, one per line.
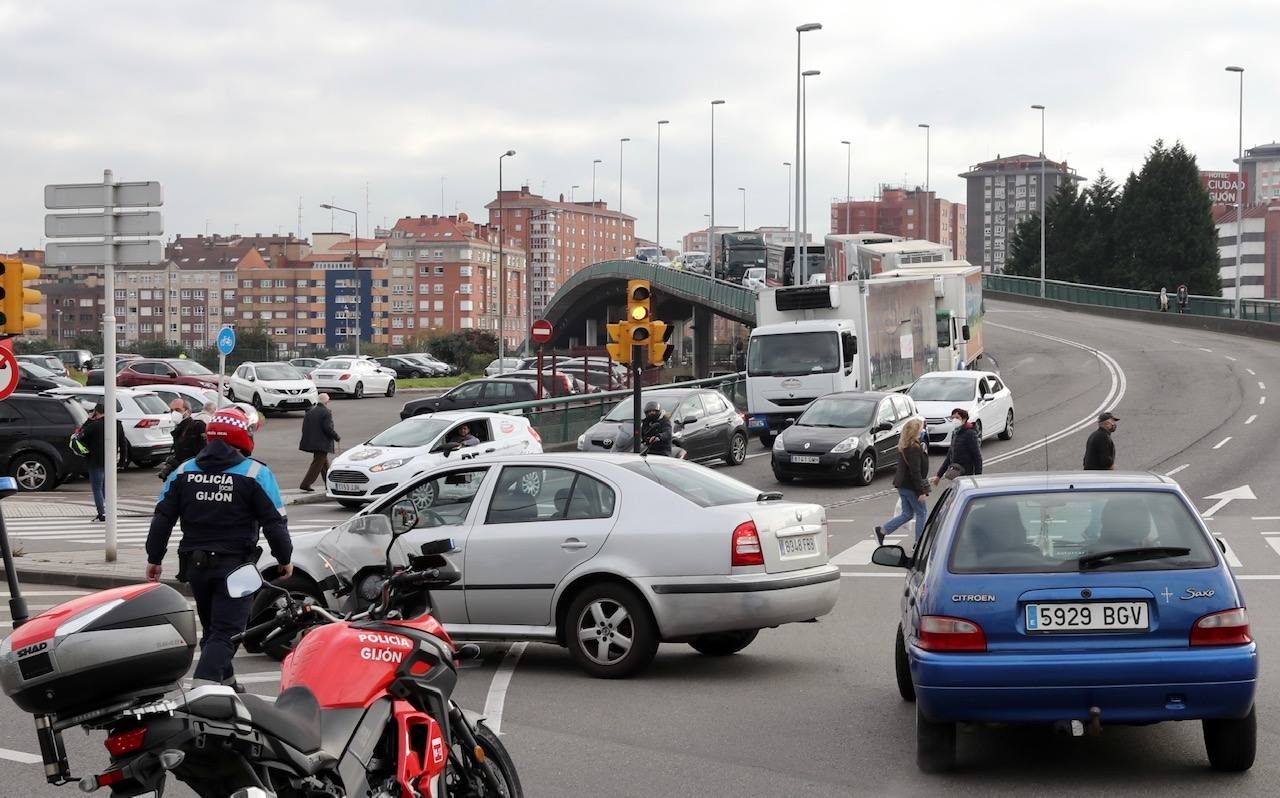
point(989, 397)
point(689, 420)
point(891, 557)
point(789, 422)
point(252, 378)
point(1221, 546)
point(884, 426)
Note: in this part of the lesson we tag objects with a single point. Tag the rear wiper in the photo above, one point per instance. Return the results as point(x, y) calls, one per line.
point(1101, 558)
point(769, 496)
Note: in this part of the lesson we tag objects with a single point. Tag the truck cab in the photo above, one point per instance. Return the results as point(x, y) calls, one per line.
point(791, 364)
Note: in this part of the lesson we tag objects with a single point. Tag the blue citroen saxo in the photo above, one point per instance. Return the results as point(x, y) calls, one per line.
point(1076, 599)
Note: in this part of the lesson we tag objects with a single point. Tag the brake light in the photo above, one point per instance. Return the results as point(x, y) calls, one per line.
point(147, 422)
point(943, 633)
point(1226, 628)
point(107, 779)
point(746, 546)
point(344, 377)
point(535, 434)
point(120, 744)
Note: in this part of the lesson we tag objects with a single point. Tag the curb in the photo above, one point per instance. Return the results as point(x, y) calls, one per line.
point(306, 498)
point(89, 581)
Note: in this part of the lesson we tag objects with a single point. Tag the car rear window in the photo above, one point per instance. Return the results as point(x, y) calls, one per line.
point(336, 365)
point(702, 486)
point(1052, 531)
point(151, 404)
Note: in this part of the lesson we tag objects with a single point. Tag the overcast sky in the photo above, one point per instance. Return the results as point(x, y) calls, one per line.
point(241, 108)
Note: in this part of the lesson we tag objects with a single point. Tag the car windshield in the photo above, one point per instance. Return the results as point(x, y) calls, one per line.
point(793, 354)
point(189, 368)
point(1053, 531)
point(837, 412)
point(943, 389)
point(277, 371)
point(623, 410)
point(700, 485)
point(34, 370)
point(339, 365)
point(151, 405)
point(411, 432)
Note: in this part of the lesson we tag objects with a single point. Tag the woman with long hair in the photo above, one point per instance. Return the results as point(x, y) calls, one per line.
point(911, 479)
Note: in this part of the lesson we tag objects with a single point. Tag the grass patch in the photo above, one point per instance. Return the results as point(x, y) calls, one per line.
point(78, 375)
point(435, 382)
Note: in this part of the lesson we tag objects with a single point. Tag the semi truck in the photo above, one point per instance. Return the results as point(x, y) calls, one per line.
point(870, 335)
point(737, 252)
point(957, 291)
point(780, 262)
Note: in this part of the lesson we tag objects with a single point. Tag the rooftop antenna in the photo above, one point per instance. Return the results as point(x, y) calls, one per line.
point(331, 201)
point(442, 213)
point(367, 215)
point(299, 217)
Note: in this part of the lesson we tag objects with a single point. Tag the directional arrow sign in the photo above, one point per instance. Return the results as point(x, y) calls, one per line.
point(1225, 498)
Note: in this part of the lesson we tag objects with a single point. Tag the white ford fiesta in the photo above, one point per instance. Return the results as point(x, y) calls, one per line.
point(390, 458)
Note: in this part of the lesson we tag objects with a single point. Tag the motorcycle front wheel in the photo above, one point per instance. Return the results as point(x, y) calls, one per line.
point(499, 763)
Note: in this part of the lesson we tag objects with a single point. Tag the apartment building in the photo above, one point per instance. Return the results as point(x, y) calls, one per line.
point(1002, 193)
point(904, 212)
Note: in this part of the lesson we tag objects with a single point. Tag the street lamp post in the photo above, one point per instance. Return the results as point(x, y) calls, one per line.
point(800, 31)
point(1043, 222)
point(928, 200)
point(355, 264)
point(657, 224)
point(804, 175)
point(591, 222)
point(502, 283)
point(1239, 187)
point(744, 207)
point(621, 143)
point(848, 170)
point(711, 226)
point(571, 190)
point(788, 165)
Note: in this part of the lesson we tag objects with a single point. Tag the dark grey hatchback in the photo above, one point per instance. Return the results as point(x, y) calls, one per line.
point(848, 435)
point(704, 422)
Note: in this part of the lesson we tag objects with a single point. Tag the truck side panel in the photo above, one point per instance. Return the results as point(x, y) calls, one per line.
point(973, 315)
point(901, 332)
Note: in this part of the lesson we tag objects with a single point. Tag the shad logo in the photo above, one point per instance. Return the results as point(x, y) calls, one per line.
point(32, 649)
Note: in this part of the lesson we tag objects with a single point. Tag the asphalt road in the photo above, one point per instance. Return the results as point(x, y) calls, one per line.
point(811, 709)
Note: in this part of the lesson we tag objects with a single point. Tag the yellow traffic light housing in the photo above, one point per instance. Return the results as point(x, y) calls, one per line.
point(14, 320)
point(639, 311)
point(659, 348)
point(619, 345)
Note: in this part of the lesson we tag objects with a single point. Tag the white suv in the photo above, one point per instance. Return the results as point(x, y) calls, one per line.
point(390, 458)
point(271, 386)
point(146, 420)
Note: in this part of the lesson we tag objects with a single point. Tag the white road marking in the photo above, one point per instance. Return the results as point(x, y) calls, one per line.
point(857, 554)
point(1178, 469)
point(1270, 533)
point(1262, 400)
point(493, 702)
point(20, 756)
point(1250, 419)
point(1203, 349)
point(855, 574)
point(1267, 577)
point(1222, 442)
point(1262, 386)
point(1226, 497)
point(757, 454)
point(1274, 543)
point(1265, 518)
point(1119, 385)
point(1252, 373)
point(1229, 357)
point(1230, 554)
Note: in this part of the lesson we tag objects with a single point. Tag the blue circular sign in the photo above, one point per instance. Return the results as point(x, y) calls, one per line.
point(226, 340)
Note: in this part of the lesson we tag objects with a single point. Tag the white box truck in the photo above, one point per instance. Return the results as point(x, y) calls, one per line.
point(957, 291)
point(869, 335)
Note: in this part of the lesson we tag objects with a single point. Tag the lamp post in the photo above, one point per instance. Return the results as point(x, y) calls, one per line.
point(591, 222)
point(848, 170)
point(1239, 187)
point(804, 175)
point(571, 190)
point(355, 264)
point(657, 224)
point(711, 226)
point(1043, 222)
point(502, 283)
point(453, 311)
point(788, 165)
point(928, 200)
point(800, 31)
point(621, 142)
point(58, 313)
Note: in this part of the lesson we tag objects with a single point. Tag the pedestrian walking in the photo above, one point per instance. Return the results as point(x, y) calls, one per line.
point(1100, 450)
point(221, 497)
point(1184, 299)
point(964, 456)
point(1164, 299)
point(318, 438)
point(912, 481)
point(92, 437)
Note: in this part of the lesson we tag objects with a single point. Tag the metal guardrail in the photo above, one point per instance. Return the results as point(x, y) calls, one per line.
point(563, 419)
point(727, 299)
point(1262, 310)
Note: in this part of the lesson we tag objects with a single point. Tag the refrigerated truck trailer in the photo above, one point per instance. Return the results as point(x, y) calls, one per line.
point(957, 291)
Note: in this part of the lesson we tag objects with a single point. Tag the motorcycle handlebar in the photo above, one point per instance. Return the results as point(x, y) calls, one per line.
point(265, 626)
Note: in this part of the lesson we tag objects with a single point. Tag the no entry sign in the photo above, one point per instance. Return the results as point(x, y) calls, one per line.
point(541, 331)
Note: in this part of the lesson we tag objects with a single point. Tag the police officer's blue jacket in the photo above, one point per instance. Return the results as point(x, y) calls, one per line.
point(221, 497)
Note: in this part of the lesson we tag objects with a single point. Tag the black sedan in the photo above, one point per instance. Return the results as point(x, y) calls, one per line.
point(34, 379)
point(704, 424)
point(849, 435)
point(403, 367)
point(472, 394)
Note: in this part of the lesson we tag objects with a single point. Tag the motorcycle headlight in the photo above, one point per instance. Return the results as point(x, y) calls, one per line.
point(846, 445)
point(387, 465)
point(778, 445)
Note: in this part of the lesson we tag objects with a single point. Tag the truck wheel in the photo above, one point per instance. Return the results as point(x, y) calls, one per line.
point(767, 439)
point(866, 469)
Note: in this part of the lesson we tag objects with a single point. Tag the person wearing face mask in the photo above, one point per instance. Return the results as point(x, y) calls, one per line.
point(964, 457)
point(655, 430)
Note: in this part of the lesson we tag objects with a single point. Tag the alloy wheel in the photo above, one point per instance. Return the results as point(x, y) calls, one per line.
point(31, 474)
point(868, 466)
point(605, 630)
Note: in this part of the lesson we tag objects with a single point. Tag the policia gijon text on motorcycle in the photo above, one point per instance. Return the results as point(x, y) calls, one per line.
point(221, 496)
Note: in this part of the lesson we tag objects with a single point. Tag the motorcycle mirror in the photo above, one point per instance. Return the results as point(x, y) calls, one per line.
point(244, 581)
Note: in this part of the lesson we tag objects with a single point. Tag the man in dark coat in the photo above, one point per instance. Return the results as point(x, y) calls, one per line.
point(318, 438)
point(92, 438)
point(188, 436)
point(1100, 450)
point(655, 430)
point(964, 456)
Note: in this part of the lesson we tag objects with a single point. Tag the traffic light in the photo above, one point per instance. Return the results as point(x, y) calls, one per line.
point(659, 348)
point(619, 345)
point(13, 295)
point(639, 311)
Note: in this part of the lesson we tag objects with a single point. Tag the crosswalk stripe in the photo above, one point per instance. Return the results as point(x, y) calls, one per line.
point(1274, 543)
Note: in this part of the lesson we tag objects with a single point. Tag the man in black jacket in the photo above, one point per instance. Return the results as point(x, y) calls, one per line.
point(655, 430)
point(188, 436)
point(1100, 450)
point(318, 438)
point(221, 497)
point(92, 436)
point(965, 452)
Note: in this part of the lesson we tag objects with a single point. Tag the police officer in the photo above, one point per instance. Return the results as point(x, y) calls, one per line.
point(221, 497)
point(655, 430)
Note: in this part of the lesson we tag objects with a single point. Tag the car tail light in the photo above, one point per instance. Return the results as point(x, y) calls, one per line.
point(943, 633)
point(123, 743)
point(1226, 628)
point(344, 377)
point(535, 434)
point(746, 546)
point(147, 422)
